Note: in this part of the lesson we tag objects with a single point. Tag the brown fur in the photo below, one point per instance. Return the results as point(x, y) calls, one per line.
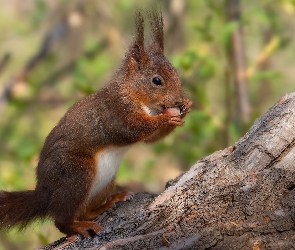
point(113, 116)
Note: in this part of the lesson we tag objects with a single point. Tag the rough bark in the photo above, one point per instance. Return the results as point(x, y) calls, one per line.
point(241, 197)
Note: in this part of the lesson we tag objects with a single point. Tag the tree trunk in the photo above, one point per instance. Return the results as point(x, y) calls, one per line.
point(238, 65)
point(241, 197)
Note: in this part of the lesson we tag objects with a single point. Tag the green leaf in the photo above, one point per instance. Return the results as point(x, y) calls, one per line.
point(225, 33)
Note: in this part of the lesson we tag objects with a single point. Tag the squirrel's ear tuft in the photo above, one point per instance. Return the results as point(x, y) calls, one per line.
point(136, 52)
point(157, 35)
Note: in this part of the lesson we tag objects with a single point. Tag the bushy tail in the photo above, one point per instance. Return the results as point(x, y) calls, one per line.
point(19, 208)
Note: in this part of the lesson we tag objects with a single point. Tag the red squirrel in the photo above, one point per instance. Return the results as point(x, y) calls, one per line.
point(80, 157)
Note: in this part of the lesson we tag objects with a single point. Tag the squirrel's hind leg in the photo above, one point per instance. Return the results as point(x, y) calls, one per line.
point(112, 200)
point(103, 201)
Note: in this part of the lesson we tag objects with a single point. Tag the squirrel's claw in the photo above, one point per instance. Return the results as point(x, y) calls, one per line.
point(129, 196)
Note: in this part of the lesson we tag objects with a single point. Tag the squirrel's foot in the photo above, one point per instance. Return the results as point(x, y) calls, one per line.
point(113, 199)
point(121, 196)
point(83, 228)
point(72, 238)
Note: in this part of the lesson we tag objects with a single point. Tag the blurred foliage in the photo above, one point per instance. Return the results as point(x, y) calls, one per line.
point(87, 40)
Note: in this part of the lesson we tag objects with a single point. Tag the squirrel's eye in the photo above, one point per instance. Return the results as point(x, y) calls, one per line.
point(157, 81)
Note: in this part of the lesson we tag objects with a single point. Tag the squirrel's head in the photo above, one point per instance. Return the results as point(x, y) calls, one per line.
point(150, 78)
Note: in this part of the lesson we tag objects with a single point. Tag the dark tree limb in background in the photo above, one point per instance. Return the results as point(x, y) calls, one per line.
point(174, 20)
point(238, 65)
point(242, 197)
point(46, 47)
point(4, 61)
point(55, 34)
point(9, 244)
point(270, 44)
point(100, 46)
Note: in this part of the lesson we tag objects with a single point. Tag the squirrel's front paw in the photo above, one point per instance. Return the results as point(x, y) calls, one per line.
point(186, 106)
point(175, 121)
point(173, 116)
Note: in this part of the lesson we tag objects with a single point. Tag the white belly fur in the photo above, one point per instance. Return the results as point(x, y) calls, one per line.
point(108, 163)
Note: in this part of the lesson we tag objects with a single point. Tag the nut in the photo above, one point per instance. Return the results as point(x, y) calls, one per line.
point(172, 111)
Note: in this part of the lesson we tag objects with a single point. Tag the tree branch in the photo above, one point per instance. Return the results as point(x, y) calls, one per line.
point(4, 61)
point(242, 197)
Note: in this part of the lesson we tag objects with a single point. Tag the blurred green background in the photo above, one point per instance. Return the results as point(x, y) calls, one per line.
point(235, 59)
